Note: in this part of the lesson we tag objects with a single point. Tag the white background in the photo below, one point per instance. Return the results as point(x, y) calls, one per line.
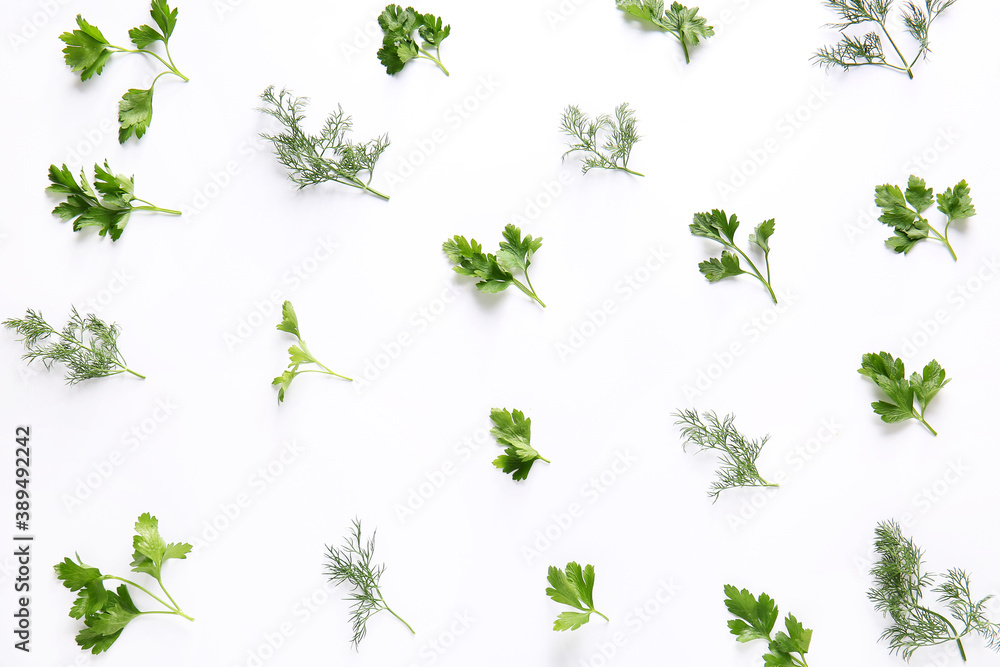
point(193, 285)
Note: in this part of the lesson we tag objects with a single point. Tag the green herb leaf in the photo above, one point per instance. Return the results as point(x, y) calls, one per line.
point(86, 49)
point(573, 587)
point(495, 272)
point(398, 44)
point(605, 142)
point(298, 355)
point(683, 22)
point(890, 376)
point(755, 619)
point(513, 431)
point(716, 226)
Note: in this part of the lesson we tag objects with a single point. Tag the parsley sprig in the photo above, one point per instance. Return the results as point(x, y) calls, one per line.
point(328, 156)
point(352, 564)
point(495, 272)
point(106, 613)
point(717, 227)
point(512, 430)
point(909, 224)
point(900, 584)
point(737, 454)
point(297, 354)
point(575, 588)
point(108, 208)
point(398, 45)
point(86, 345)
point(857, 51)
point(618, 135)
point(87, 51)
point(890, 376)
point(755, 619)
point(683, 22)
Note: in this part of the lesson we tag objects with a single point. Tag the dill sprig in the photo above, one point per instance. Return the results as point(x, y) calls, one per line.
point(619, 137)
point(329, 156)
point(736, 454)
point(352, 564)
point(86, 345)
point(857, 51)
point(898, 593)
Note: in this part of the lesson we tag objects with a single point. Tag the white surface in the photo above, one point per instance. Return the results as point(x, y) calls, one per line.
point(191, 282)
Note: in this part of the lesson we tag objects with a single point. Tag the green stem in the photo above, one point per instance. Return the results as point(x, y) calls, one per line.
point(923, 421)
point(601, 615)
point(169, 65)
point(428, 56)
point(957, 637)
point(757, 274)
point(542, 458)
point(898, 52)
point(355, 183)
point(687, 57)
point(412, 632)
point(529, 292)
point(170, 597)
point(147, 592)
point(943, 238)
point(343, 377)
point(154, 208)
point(138, 375)
point(634, 173)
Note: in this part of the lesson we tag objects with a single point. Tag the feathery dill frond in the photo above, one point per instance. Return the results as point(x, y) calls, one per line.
point(737, 455)
point(619, 136)
point(329, 156)
point(87, 346)
point(352, 564)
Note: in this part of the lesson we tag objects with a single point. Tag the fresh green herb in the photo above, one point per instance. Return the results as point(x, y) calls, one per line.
point(858, 51)
point(496, 271)
point(352, 564)
point(737, 454)
point(890, 376)
point(331, 156)
point(911, 227)
point(86, 345)
point(900, 583)
point(619, 136)
point(513, 431)
point(755, 618)
point(297, 354)
point(108, 208)
point(716, 227)
point(106, 613)
point(575, 588)
point(683, 22)
point(398, 45)
point(87, 51)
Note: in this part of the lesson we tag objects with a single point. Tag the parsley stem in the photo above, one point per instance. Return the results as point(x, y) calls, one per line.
point(428, 56)
point(327, 371)
point(943, 238)
point(597, 612)
point(687, 57)
point(756, 273)
point(170, 65)
point(147, 592)
point(177, 607)
point(923, 421)
point(529, 292)
point(151, 207)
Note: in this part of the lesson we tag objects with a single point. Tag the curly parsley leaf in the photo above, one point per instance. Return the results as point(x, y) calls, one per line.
point(513, 431)
point(574, 588)
point(903, 211)
point(398, 44)
point(104, 613)
point(108, 208)
point(889, 375)
point(298, 355)
point(495, 272)
point(755, 619)
point(683, 22)
point(715, 226)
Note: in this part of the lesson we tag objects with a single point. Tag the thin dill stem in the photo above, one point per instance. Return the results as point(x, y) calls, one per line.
point(895, 48)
